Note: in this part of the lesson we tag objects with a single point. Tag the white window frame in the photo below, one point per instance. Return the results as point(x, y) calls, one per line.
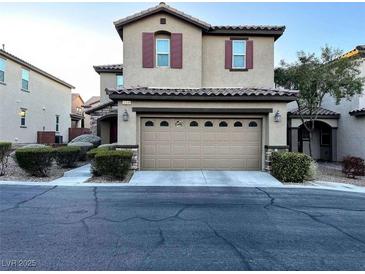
point(2, 59)
point(243, 54)
point(168, 53)
point(23, 69)
point(57, 123)
point(116, 80)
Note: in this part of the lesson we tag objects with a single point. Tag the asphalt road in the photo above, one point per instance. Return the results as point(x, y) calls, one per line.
point(185, 228)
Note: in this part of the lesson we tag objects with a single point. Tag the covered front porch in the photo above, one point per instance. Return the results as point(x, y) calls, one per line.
point(323, 143)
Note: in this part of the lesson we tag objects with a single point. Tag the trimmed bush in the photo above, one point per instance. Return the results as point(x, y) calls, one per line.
point(91, 153)
point(35, 161)
point(5, 149)
point(290, 166)
point(67, 156)
point(88, 138)
point(33, 146)
point(353, 166)
point(84, 147)
point(115, 163)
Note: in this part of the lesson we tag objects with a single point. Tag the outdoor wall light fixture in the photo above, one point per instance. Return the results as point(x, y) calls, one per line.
point(277, 117)
point(125, 116)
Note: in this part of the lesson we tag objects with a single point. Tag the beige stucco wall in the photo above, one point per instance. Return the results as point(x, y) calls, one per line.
point(134, 74)
point(45, 100)
point(215, 74)
point(107, 80)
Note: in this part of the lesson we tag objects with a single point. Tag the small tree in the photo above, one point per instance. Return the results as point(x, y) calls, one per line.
point(315, 77)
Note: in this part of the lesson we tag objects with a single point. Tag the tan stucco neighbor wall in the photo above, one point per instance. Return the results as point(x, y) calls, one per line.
point(45, 100)
point(215, 74)
point(107, 80)
point(134, 74)
point(274, 133)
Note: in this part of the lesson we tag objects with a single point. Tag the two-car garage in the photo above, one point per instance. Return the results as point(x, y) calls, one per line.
point(188, 143)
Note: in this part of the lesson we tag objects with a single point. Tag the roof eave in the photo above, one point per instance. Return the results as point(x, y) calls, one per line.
point(34, 68)
point(145, 97)
point(275, 33)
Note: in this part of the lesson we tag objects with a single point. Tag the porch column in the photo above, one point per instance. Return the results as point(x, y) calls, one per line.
point(294, 139)
point(334, 144)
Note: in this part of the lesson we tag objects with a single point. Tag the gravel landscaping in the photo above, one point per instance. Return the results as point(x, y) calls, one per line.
point(331, 172)
point(15, 173)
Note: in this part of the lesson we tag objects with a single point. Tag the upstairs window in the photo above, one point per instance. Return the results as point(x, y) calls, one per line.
point(239, 54)
point(163, 52)
point(120, 81)
point(25, 79)
point(2, 70)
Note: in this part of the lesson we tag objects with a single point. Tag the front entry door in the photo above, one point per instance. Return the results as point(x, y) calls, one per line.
point(113, 131)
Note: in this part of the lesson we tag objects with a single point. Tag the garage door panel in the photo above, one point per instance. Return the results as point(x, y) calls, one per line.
point(181, 146)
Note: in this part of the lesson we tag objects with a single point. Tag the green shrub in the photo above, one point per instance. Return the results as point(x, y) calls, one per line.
point(290, 166)
point(312, 171)
point(67, 156)
point(35, 161)
point(115, 163)
point(5, 148)
point(91, 153)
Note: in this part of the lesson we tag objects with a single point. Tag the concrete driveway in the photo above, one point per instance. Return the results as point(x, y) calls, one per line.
point(204, 178)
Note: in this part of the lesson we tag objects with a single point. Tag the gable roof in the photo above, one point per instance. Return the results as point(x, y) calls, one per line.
point(198, 94)
point(162, 7)
point(118, 68)
point(275, 31)
point(25, 64)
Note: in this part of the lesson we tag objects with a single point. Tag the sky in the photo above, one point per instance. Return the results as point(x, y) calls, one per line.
point(67, 39)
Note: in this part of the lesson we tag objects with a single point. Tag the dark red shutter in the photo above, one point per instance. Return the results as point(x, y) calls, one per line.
point(249, 54)
point(148, 49)
point(228, 54)
point(176, 50)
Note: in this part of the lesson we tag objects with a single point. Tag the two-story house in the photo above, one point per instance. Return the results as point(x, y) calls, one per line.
point(31, 101)
point(196, 96)
point(339, 128)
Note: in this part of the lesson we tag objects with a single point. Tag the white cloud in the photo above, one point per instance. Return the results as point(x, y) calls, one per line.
point(67, 51)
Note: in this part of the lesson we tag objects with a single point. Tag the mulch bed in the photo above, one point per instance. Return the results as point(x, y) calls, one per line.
point(108, 179)
point(15, 173)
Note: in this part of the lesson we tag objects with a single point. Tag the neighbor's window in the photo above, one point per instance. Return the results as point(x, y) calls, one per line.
point(2, 70)
point(57, 123)
point(23, 114)
point(325, 137)
point(25, 79)
point(120, 81)
point(163, 52)
point(238, 54)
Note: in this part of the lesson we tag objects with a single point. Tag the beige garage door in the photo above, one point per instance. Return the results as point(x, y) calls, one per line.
point(180, 143)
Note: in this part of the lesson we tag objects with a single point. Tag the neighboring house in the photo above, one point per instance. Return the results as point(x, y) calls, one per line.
point(103, 115)
point(77, 111)
point(32, 101)
point(339, 129)
point(196, 96)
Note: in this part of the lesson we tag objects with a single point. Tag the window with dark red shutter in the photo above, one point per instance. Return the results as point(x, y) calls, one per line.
point(249, 54)
point(176, 50)
point(148, 49)
point(228, 54)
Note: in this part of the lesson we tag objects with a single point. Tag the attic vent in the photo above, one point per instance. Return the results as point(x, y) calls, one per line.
point(162, 21)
